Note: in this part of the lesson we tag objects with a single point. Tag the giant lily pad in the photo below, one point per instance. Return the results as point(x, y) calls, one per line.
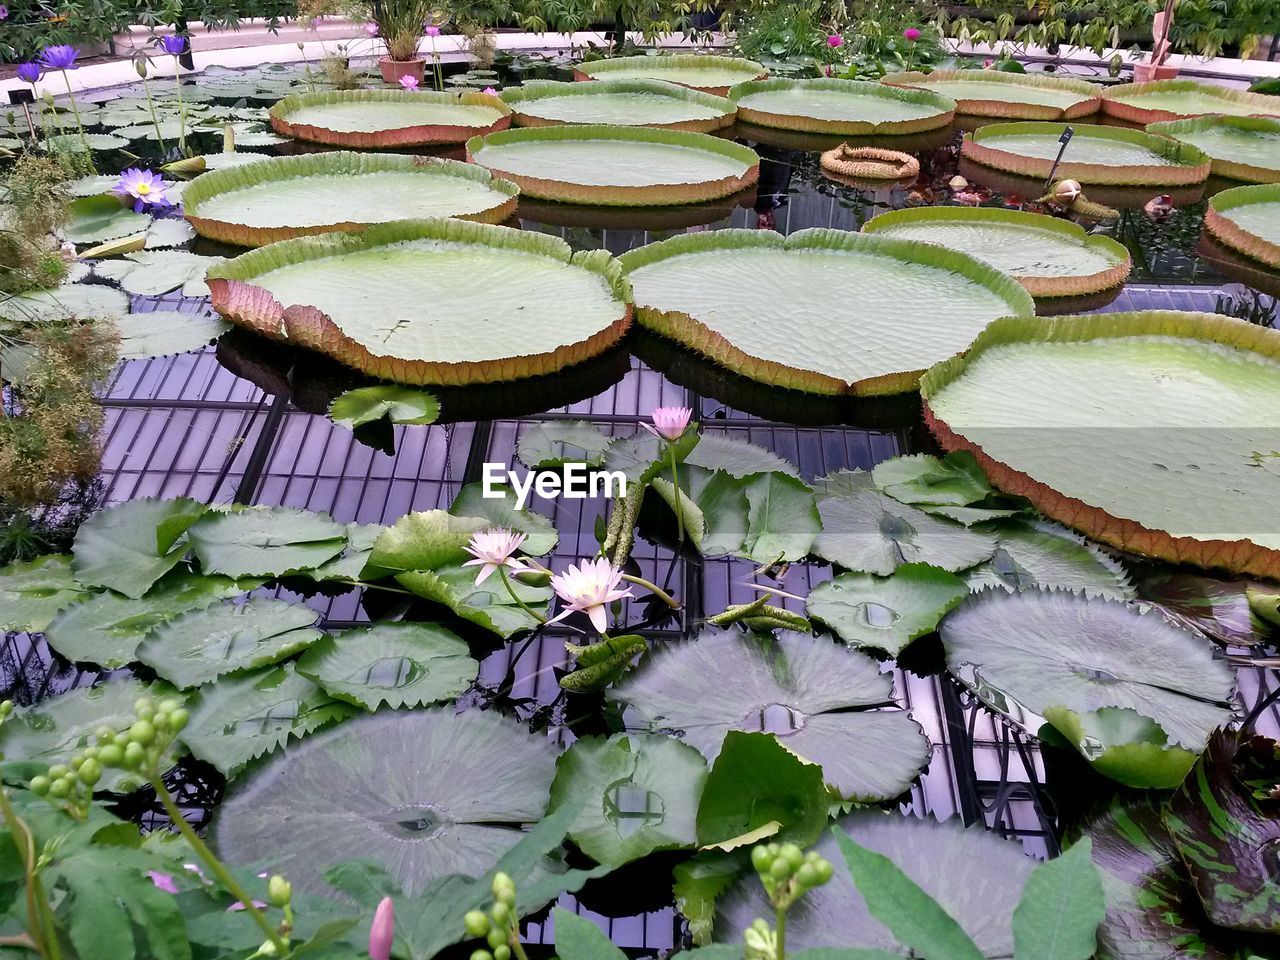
point(707, 73)
point(975, 876)
point(1247, 219)
point(641, 791)
point(31, 594)
point(1102, 155)
point(1048, 256)
point(241, 718)
point(322, 192)
point(1243, 148)
point(405, 301)
point(1011, 96)
point(129, 546)
point(1147, 431)
point(425, 794)
point(399, 664)
point(1136, 694)
point(798, 328)
point(815, 696)
point(849, 107)
point(388, 118)
point(1182, 100)
point(648, 103)
point(617, 166)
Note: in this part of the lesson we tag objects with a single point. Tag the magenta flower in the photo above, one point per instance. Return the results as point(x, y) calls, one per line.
point(589, 588)
point(433, 30)
point(29, 72)
point(162, 881)
point(383, 931)
point(669, 422)
point(835, 40)
point(238, 906)
point(490, 91)
point(371, 29)
point(59, 57)
point(173, 44)
point(144, 187)
point(409, 82)
point(4, 12)
point(912, 34)
point(492, 549)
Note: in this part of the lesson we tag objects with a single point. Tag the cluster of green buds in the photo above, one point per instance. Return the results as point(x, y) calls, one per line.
point(500, 927)
point(788, 873)
point(139, 750)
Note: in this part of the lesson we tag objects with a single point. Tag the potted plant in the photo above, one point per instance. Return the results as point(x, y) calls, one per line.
point(401, 25)
point(1158, 67)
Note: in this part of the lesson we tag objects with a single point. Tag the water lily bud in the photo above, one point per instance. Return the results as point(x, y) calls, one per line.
point(140, 67)
point(476, 923)
point(382, 933)
point(40, 785)
point(279, 891)
point(187, 165)
point(760, 859)
point(534, 578)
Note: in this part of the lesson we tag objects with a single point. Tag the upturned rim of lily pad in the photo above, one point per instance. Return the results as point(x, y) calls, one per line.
point(412, 135)
point(944, 107)
point(1124, 101)
point(1219, 223)
point(600, 69)
point(1011, 109)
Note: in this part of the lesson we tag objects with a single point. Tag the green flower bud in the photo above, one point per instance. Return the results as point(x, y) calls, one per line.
point(6, 708)
point(91, 753)
point(111, 755)
point(481, 955)
point(143, 732)
point(760, 924)
point(170, 705)
point(104, 734)
point(134, 756)
point(501, 880)
point(40, 786)
point(780, 869)
point(807, 876)
point(144, 708)
point(76, 762)
point(496, 937)
point(476, 923)
point(90, 772)
point(793, 855)
point(760, 859)
point(57, 771)
point(178, 719)
point(824, 871)
point(268, 949)
point(773, 849)
point(279, 891)
point(501, 913)
point(60, 788)
point(121, 740)
point(502, 953)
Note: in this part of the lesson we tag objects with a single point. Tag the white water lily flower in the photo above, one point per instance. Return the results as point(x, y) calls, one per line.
point(589, 587)
point(669, 422)
point(494, 548)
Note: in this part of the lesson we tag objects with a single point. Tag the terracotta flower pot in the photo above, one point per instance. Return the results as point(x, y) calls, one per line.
point(1142, 72)
point(393, 70)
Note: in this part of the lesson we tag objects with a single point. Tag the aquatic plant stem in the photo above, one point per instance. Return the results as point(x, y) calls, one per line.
point(780, 916)
point(517, 948)
point(523, 606)
point(229, 883)
point(435, 66)
point(675, 482)
point(75, 108)
point(151, 107)
point(653, 588)
point(39, 917)
point(182, 107)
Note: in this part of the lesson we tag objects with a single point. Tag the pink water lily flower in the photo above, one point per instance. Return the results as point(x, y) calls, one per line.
point(589, 588)
point(382, 933)
point(141, 189)
point(432, 30)
point(835, 40)
point(490, 91)
point(494, 548)
point(912, 34)
point(669, 422)
point(409, 82)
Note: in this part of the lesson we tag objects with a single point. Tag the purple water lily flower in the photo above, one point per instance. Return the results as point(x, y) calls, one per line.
point(409, 82)
point(174, 44)
point(142, 188)
point(59, 57)
point(29, 72)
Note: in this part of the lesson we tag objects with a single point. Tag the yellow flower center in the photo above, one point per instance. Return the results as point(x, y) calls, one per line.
point(144, 188)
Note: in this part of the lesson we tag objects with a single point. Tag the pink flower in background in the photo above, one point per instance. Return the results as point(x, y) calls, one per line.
point(494, 548)
point(409, 82)
point(490, 91)
point(4, 12)
point(589, 588)
point(912, 34)
point(237, 907)
point(162, 881)
point(382, 933)
point(315, 22)
point(433, 30)
point(835, 40)
point(144, 187)
point(669, 422)
point(371, 29)
point(988, 63)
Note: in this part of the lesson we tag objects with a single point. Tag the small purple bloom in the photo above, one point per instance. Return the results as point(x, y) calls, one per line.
point(174, 44)
point(433, 30)
point(29, 72)
point(60, 57)
point(912, 34)
point(371, 29)
point(141, 189)
point(4, 12)
point(835, 40)
point(409, 82)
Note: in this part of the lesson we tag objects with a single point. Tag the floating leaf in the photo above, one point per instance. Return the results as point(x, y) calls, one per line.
point(402, 405)
point(811, 693)
point(241, 718)
point(641, 794)
point(738, 458)
point(353, 562)
point(31, 594)
point(1032, 653)
point(85, 301)
point(399, 664)
point(553, 443)
point(168, 233)
point(129, 546)
point(488, 605)
point(955, 480)
point(150, 273)
point(425, 540)
point(886, 613)
point(98, 218)
point(106, 628)
point(1220, 608)
point(203, 645)
point(426, 793)
point(1040, 553)
point(782, 520)
point(756, 783)
point(265, 541)
point(540, 536)
point(865, 530)
point(160, 333)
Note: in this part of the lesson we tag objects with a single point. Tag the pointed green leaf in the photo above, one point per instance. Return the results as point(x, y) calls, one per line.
point(579, 939)
point(955, 480)
point(540, 536)
point(1060, 909)
point(553, 443)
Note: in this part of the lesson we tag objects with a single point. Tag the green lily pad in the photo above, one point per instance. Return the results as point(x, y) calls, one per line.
point(150, 273)
point(738, 458)
point(100, 218)
point(168, 232)
point(241, 718)
point(1039, 553)
point(540, 536)
point(954, 480)
point(129, 546)
point(399, 664)
point(641, 790)
point(425, 540)
point(553, 443)
point(424, 793)
point(201, 646)
point(488, 605)
point(886, 613)
point(353, 562)
point(161, 333)
point(817, 697)
point(31, 594)
point(265, 541)
point(401, 405)
point(69, 300)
